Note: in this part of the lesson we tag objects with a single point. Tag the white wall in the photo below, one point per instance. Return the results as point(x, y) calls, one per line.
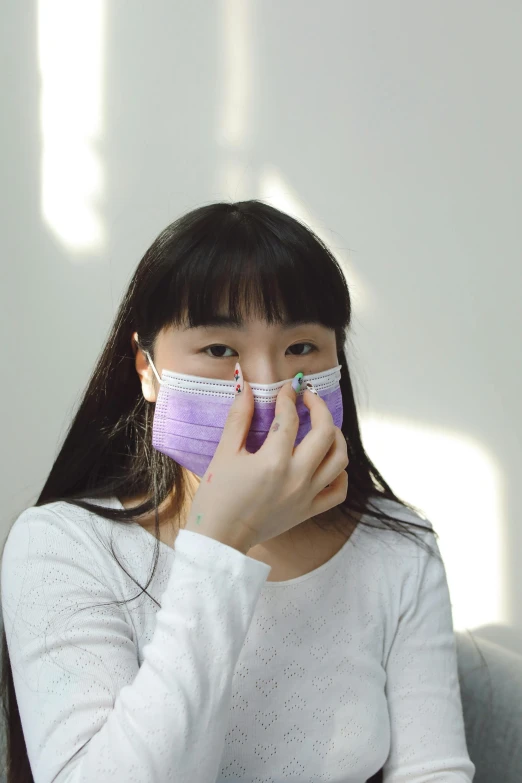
point(394, 128)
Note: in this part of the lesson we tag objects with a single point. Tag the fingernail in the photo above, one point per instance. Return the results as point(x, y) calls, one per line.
point(238, 377)
point(311, 388)
point(296, 383)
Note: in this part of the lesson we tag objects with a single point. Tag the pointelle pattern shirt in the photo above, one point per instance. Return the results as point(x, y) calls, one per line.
point(217, 675)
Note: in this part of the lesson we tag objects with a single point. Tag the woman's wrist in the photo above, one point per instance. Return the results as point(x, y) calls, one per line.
point(235, 539)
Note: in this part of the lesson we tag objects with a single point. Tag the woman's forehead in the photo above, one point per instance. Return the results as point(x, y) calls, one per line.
point(226, 321)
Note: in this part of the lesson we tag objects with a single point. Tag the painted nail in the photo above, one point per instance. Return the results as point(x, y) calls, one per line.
point(311, 388)
point(296, 383)
point(238, 377)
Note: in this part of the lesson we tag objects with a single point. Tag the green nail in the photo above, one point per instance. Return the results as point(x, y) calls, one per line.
point(296, 383)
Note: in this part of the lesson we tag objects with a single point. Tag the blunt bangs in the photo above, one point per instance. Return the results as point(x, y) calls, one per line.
point(247, 260)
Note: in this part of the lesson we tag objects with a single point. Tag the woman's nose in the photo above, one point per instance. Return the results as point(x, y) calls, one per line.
point(265, 373)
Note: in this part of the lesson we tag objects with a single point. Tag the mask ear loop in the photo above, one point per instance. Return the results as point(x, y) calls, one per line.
point(152, 365)
point(147, 354)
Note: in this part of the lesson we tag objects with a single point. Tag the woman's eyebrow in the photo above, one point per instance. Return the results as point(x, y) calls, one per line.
point(226, 322)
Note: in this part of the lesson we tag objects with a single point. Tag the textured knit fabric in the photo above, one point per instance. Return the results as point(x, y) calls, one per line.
point(217, 674)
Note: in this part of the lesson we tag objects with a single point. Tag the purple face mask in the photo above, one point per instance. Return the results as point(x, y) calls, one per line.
point(191, 412)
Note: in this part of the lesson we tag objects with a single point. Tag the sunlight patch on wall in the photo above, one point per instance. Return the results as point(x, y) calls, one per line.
point(70, 51)
point(236, 72)
point(458, 486)
point(275, 190)
point(233, 132)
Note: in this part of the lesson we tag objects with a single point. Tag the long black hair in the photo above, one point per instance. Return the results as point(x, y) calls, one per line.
point(269, 264)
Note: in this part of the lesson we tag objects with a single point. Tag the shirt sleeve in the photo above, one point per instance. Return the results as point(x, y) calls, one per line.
point(428, 741)
point(89, 712)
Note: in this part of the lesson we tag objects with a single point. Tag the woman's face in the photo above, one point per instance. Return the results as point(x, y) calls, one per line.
point(267, 354)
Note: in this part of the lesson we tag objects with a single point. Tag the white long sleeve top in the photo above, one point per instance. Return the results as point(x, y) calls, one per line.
point(327, 677)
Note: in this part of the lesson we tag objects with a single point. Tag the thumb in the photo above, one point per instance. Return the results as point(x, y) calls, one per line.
point(238, 420)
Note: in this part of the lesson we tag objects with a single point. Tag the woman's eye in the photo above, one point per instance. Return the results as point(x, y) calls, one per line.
point(297, 345)
point(214, 347)
point(226, 348)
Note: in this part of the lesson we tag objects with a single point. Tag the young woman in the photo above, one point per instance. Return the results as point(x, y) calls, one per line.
point(216, 583)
